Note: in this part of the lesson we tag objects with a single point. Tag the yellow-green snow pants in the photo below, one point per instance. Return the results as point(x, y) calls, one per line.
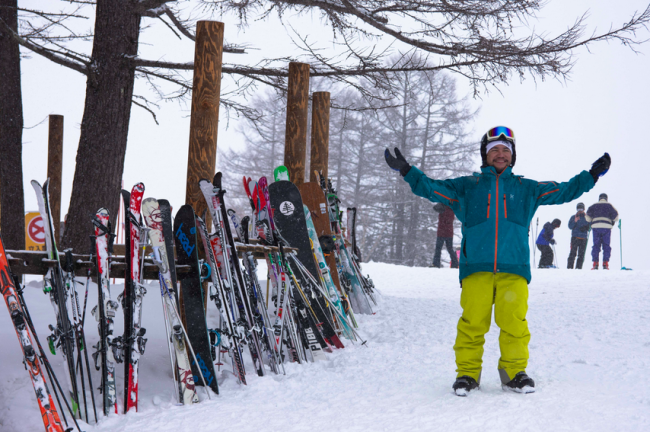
point(509, 294)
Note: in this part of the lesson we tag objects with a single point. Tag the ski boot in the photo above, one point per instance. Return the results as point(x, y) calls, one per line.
point(595, 267)
point(464, 385)
point(605, 265)
point(521, 383)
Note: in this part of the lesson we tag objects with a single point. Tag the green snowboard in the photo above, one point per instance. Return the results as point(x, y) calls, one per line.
point(281, 173)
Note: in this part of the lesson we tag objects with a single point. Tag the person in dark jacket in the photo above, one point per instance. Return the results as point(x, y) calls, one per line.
point(603, 217)
point(495, 208)
point(445, 235)
point(545, 239)
point(579, 233)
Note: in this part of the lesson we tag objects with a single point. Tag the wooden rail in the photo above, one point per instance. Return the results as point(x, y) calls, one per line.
point(37, 262)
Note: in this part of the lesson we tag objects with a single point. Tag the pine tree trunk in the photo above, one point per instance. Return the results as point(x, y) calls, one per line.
point(105, 123)
point(12, 205)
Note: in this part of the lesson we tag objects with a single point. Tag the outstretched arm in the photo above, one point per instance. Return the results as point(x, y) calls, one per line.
point(559, 193)
point(443, 191)
point(549, 193)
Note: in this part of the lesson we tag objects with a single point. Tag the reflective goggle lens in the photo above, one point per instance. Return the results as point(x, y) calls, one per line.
point(494, 133)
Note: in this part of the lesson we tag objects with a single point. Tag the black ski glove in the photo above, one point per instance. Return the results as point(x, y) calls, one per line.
point(600, 167)
point(552, 241)
point(398, 163)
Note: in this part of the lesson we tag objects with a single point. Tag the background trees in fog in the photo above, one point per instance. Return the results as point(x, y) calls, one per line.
point(424, 117)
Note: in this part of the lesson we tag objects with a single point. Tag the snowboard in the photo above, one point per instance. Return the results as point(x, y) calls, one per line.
point(289, 220)
point(192, 294)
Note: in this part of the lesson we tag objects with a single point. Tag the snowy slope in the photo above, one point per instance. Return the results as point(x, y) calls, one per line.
point(590, 353)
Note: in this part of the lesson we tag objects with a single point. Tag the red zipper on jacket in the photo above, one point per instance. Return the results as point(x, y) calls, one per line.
point(505, 208)
point(496, 231)
point(489, 200)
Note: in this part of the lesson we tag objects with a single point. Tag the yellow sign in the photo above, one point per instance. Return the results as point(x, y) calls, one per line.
point(34, 232)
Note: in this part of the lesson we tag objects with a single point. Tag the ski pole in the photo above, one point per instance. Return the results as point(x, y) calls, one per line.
point(535, 244)
point(620, 236)
point(76, 313)
point(83, 334)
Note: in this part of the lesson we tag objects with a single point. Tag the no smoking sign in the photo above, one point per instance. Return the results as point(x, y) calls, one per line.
point(34, 231)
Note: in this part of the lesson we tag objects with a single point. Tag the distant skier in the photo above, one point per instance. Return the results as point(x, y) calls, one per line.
point(602, 216)
point(545, 239)
point(495, 207)
point(445, 235)
point(579, 232)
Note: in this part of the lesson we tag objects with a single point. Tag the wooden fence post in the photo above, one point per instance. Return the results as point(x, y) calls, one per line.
point(320, 134)
point(295, 147)
point(55, 170)
point(204, 122)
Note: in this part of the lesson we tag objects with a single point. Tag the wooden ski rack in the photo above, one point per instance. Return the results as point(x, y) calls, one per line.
point(24, 262)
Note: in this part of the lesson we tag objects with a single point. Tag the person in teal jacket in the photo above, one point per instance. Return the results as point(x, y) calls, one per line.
point(495, 207)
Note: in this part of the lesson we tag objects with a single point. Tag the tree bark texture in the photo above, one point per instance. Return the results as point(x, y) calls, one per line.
point(295, 148)
point(320, 134)
point(12, 216)
point(55, 170)
point(105, 122)
point(204, 122)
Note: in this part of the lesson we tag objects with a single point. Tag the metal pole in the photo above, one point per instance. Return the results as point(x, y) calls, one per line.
point(620, 236)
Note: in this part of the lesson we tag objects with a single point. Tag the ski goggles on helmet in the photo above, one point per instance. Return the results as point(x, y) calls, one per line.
point(496, 132)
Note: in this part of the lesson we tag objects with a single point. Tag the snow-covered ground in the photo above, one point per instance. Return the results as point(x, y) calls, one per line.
point(589, 355)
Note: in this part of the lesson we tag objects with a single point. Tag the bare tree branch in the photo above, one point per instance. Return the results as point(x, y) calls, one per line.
point(56, 57)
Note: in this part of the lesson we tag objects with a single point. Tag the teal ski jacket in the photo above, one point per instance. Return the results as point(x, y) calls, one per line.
point(496, 210)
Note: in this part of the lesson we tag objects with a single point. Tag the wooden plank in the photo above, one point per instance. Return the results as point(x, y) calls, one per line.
point(295, 147)
point(37, 263)
point(320, 135)
point(204, 122)
point(55, 170)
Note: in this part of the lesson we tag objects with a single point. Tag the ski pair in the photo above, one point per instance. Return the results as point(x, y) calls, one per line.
point(157, 215)
point(225, 252)
point(284, 328)
point(133, 341)
point(31, 360)
point(359, 298)
point(107, 351)
point(63, 334)
point(254, 291)
point(278, 203)
point(233, 337)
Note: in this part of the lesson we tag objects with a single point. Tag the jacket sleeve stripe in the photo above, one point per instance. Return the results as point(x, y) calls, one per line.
point(436, 192)
point(549, 192)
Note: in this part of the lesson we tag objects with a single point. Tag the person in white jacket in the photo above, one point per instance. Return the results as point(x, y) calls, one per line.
point(603, 217)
